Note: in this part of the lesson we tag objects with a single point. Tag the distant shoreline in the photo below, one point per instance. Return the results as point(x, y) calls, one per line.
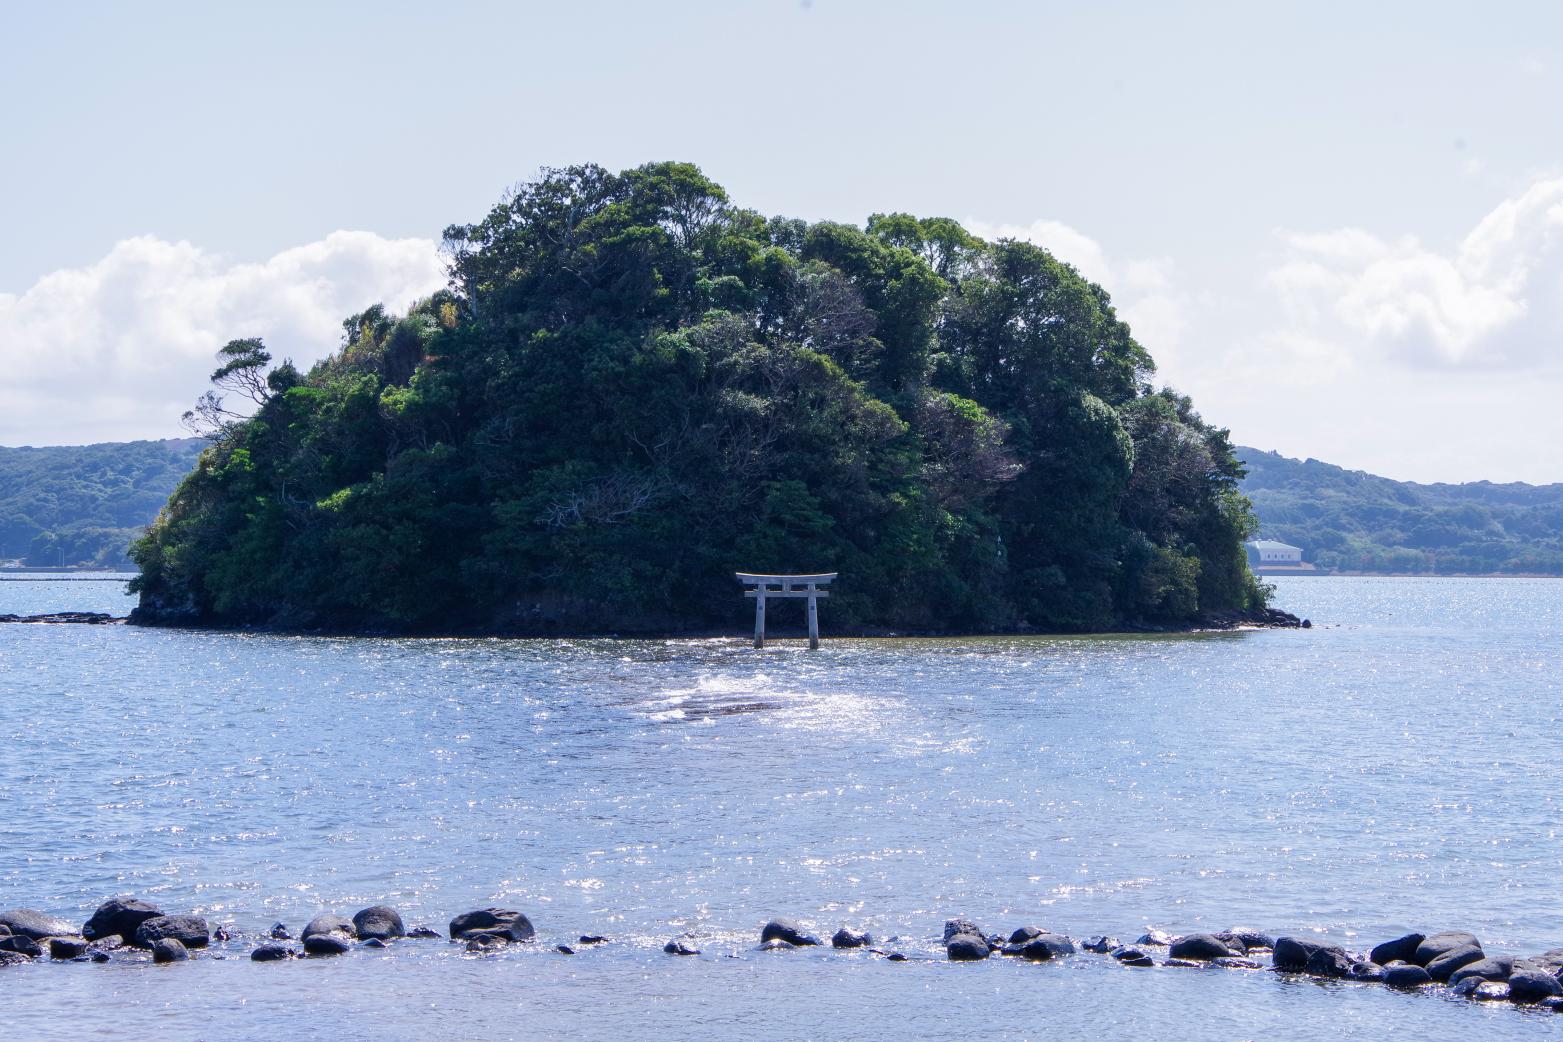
point(1318, 574)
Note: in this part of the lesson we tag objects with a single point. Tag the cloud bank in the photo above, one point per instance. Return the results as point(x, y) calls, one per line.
point(120, 348)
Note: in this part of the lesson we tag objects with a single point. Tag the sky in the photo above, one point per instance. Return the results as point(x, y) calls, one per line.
point(1337, 226)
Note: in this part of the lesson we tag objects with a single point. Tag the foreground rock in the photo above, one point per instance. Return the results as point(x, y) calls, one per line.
point(1444, 967)
point(1406, 975)
point(679, 946)
point(190, 931)
point(1204, 947)
point(271, 953)
point(84, 618)
point(787, 930)
point(1533, 985)
point(66, 948)
point(513, 925)
point(168, 949)
point(119, 915)
point(1295, 955)
point(1038, 945)
point(29, 922)
point(1492, 967)
point(846, 938)
point(1440, 944)
point(332, 943)
point(330, 923)
point(1401, 949)
point(964, 941)
point(20, 945)
point(379, 922)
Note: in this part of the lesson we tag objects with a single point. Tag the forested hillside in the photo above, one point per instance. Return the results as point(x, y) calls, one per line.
point(84, 504)
point(1352, 521)
point(635, 387)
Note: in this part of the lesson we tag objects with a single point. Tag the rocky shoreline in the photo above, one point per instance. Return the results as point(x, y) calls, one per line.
point(1451, 962)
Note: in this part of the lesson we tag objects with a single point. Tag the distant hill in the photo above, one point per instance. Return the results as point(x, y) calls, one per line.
point(77, 505)
point(1353, 521)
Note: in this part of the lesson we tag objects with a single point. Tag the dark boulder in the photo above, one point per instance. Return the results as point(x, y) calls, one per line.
point(895, 957)
point(189, 930)
point(564, 949)
point(679, 946)
point(1405, 975)
point(1401, 949)
point(67, 947)
point(271, 953)
point(960, 926)
point(1159, 938)
point(776, 944)
point(1025, 933)
point(1042, 947)
point(1292, 953)
point(279, 932)
point(845, 938)
point(100, 956)
point(29, 922)
point(1366, 972)
point(326, 944)
point(9, 958)
point(422, 932)
point(223, 933)
point(590, 938)
point(380, 922)
point(1188, 964)
point(108, 944)
point(1491, 991)
point(1238, 963)
point(515, 924)
point(1329, 962)
point(1532, 985)
point(119, 915)
point(1249, 939)
point(966, 947)
point(22, 945)
point(1203, 946)
point(787, 930)
point(169, 949)
point(1129, 955)
point(1493, 967)
point(1443, 967)
point(1099, 944)
point(330, 923)
point(1555, 1003)
point(376, 942)
point(1440, 944)
point(486, 940)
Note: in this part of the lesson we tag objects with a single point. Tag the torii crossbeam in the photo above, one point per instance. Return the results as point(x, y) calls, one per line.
point(764, 587)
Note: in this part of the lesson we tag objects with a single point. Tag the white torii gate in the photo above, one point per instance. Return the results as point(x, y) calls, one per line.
point(763, 587)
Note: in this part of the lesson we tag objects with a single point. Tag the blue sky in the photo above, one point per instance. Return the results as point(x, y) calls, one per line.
point(1337, 226)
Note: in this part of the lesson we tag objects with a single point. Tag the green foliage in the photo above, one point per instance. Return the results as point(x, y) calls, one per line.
point(82, 505)
point(1351, 521)
point(635, 388)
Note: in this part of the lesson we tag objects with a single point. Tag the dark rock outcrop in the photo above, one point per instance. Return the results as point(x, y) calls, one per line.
point(380, 922)
point(1238, 963)
point(514, 924)
point(1040, 946)
point(680, 946)
point(1202, 946)
point(64, 948)
point(1292, 953)
point(1492, 967)
point(1130, 955)
point(1249, 939)
point(168, 949)
point(1366, 972)
point(271, 953)
point(958, 926)
point(279, 932)
point(1159, 938)
point(787, 930)
point(1440, 944)
point(847, 938)
point(1405, 975)
point(119, 915)
point(1443, 967)
point(330, 923)
point(189, 930)
point(29, 922)
point(1532, 985)
point(966, 947)
point(330, 943)
point(21, 945)
point(422, 932)
point(1334, 963)
point(590, 938)
point(1099, 944)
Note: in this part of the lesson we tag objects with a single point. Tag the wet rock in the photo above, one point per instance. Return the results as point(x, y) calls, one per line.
point(776, 944)
point(271, 953)
point(1184, 963)
point(1329, 962)
point(331, 943)
point(168, 949)
point(590, 938)
point(516, 925)
point(100, 956)
point(1532, 985)
point(422, 932)
point(486, 940)
point(376, 942)
point(5, 931)
point(1492, 991)
point(1238, 963)
point(679, 946)
point(29, 922)
point(10, 958)
point(967, 947)
point(379, 921)
point(189, 930)
point(1203, 946)
point(119, 915)
point(1129, 955)
point(1025, 933)
point(1099, 944)
point(1443, 967)
point(564, 949)
point(1401, 949)
point(1555, 1004)
point(330, 923)
point(279, 932)
point(21, 945)
point(846, 938)
point(1042, 947)
point(1439, 944)
point(67, 947)
point(1366, 972)
point(1159, 938)
point(959, 926)
point(112, 942)
point(1292, 953)
point(1467, 988)
point(1249, 939)
point(223, 933)
point(787, 930)
point(1405, 975)
point(895, 957)
point(1493, 967)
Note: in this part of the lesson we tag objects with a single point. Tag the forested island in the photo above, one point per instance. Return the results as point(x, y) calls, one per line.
point(634, 387)
point(1350, 521)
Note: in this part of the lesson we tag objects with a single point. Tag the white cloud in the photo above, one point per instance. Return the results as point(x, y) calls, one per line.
point(120, 348)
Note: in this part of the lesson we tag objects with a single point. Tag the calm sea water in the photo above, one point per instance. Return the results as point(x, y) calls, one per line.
point(1393, 768)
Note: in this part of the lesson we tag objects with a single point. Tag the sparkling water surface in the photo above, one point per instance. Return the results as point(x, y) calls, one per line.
point(1393, 768)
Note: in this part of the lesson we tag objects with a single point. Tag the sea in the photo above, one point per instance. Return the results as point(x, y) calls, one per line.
point(1395, 767)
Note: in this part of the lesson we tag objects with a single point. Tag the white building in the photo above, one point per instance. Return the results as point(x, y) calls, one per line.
point(1268, 551)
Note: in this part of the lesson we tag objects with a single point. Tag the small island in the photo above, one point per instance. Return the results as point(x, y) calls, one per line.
point(634, 386)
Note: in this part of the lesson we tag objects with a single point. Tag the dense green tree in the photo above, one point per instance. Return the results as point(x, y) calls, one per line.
point(634, 388)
